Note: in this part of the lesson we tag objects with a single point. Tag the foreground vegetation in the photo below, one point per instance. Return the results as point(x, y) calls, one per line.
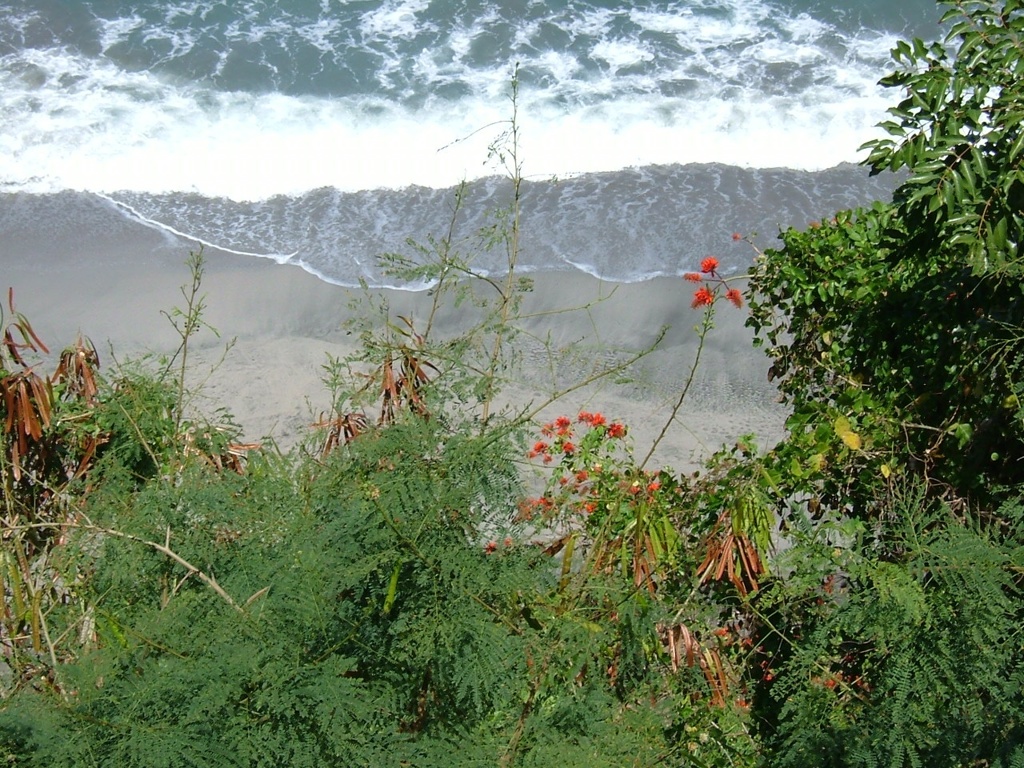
point(396, 593)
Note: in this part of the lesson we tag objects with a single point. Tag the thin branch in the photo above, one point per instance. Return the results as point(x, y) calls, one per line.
point(705, 327)
point(164, 549)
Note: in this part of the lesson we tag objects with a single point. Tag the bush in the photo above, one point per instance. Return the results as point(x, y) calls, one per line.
point(895, 330)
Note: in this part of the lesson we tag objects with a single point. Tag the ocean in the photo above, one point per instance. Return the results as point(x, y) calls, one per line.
point(325, 133)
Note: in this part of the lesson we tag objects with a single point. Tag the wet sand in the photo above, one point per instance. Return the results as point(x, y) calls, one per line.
point(284, 323)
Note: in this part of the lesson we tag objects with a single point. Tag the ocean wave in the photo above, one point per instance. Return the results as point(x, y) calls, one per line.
point(624, 226)
point(250, 100)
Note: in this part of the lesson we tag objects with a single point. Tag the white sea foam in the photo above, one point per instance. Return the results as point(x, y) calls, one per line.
point(737, 83)
point(117, 131)
point(395, 19)
point(280, 258)
point(116, 29)
point(621, 55)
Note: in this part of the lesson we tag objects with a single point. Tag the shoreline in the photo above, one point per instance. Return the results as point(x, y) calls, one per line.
point(285, 322)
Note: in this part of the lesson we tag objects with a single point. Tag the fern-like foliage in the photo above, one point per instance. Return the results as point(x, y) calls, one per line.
point(914, 655)
point(375, 607)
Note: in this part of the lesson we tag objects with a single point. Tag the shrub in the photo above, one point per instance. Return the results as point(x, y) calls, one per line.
point(895, 330)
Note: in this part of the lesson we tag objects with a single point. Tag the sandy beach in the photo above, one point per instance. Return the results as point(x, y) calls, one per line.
point(327, 135)
point(284, 322)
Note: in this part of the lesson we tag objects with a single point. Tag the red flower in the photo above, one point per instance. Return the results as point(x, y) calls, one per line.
point(585, 417)
point(615, 429)
point(693, 277)
point(568, 448)
point(582, 476)
point(734, 295)
point(710, 264)
point(538, 448)
point(508, 541)
point(653, 486)
point(597, 420)
point(737, 236)
point(703, 297)
point(490, 547)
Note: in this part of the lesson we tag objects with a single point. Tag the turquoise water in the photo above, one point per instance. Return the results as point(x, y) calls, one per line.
point(300, 130)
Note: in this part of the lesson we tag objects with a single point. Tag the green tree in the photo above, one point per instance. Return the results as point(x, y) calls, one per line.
point(895, 330)
point(890, 635)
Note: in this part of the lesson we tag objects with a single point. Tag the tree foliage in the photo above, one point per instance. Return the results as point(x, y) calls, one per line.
point(391, 594)
point(903, 650)
point(891, 634)
point(895, 330)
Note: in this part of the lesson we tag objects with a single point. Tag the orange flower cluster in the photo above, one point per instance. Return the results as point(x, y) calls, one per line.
point(540, 448)
point(541, 506)
point(844, 682)
point(703, 297)
point(636, 486)
point(590, 480)
point(707, 294)
point(561, 433)
point(492, 546)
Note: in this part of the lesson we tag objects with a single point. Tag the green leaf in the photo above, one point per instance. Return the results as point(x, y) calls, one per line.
point(962, 432)
point(389, 599)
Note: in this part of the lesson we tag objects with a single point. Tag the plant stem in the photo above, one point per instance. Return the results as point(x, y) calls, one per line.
point(191, 320)
point(707, 323)
point(507, 291)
